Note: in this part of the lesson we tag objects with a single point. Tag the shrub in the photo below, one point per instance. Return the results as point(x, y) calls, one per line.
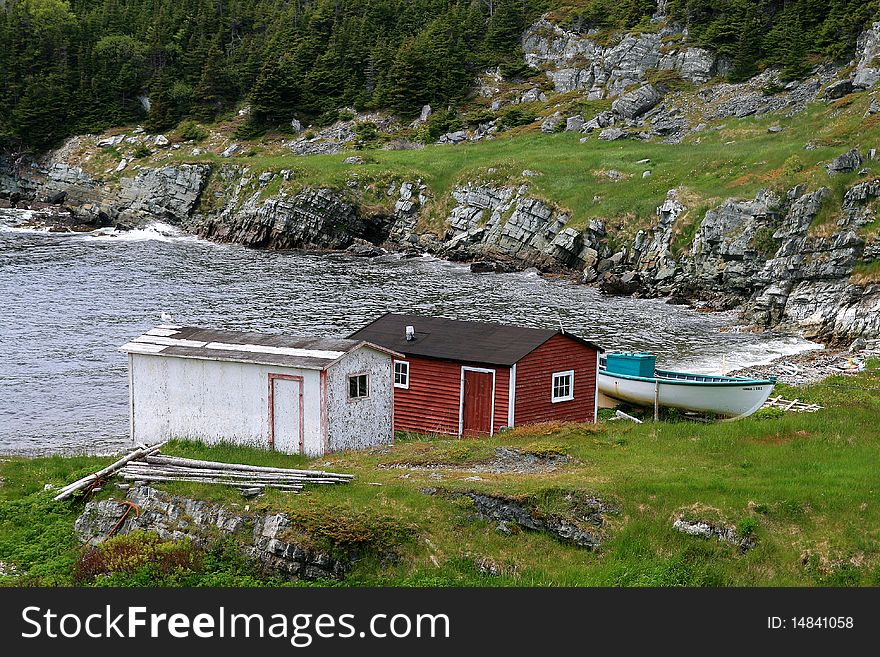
point(794, 164)
point(191, 131)
point(764, 242)
point(133, 552)
point(250, 130)
point(142, 150)
point(514, 117)
point(770, 413)
point(746, 527)
point(367, 133)
point(479, 116)
point(439, 123)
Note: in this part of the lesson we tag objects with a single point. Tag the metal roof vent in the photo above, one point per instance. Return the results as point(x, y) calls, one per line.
point(410, 333)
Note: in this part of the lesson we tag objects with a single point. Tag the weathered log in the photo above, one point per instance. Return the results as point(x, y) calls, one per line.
point(234, 483)
point(70, 489)
point(269, 476)
point(139, 472)
point(193, 463)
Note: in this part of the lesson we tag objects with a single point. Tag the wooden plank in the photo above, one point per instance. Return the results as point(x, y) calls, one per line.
point(70, 489)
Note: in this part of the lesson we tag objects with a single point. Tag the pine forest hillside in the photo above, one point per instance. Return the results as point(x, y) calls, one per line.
point(74, 66)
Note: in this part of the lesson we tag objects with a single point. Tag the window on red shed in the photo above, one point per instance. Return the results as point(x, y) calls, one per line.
point(563, 386)
point(401, 374)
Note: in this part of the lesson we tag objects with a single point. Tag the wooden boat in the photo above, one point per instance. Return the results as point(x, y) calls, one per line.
point(634, 378)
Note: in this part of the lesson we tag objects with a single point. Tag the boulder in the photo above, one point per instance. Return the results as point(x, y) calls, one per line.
point(353, 159)
point(533, 95)
point(552, 122)
point(364, 249)
point(110, 141)
point(161, 141)
point(838, 89)
point(636, 102)
point(296, 125)
point(574, 123)
point(611, 134)
point(425, 113)
point(231, 150)
point(859, 344)
point(601, 120)
point(453, 137)
point(489, 267)
point(849, 161)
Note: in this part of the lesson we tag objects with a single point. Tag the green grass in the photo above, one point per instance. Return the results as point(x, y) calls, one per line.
point(804, 485)
point(734, 158)
point(866, 272)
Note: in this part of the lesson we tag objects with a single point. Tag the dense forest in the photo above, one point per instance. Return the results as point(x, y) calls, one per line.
point(70, 66)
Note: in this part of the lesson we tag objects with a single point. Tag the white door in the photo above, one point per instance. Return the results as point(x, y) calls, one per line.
point(287, 408)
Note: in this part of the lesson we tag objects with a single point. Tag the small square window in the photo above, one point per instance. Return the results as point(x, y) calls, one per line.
point(358, 386)
point(401, 374)
point(563, 386)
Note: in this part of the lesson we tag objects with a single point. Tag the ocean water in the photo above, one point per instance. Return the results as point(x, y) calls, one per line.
point(69, 300)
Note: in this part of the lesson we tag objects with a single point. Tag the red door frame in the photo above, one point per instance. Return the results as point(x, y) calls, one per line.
point(461, 398)
point(285, 377)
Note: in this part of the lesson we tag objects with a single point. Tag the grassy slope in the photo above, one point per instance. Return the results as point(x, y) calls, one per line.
point(733, 158)
point(807, 483)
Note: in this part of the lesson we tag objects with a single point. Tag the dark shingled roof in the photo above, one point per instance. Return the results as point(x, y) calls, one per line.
point(450, 339)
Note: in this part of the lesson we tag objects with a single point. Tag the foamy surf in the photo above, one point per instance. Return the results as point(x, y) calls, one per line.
point(751, 355)
point(156, 231)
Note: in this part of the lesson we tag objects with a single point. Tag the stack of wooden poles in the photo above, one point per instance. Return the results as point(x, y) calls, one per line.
point(172, 468)
point(145, 464)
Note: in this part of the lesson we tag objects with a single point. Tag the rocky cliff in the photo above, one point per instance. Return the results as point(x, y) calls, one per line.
point(797, 259)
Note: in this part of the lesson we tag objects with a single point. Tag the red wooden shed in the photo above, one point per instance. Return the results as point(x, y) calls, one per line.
point(474, 378)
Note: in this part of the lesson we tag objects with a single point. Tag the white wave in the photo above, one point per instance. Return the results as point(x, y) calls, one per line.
point(11, 221)
point(749, 355)
point(157, 231)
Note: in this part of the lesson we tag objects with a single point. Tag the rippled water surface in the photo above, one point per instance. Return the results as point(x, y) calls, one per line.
point(70, 300)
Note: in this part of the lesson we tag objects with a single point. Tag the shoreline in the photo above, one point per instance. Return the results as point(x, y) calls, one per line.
point(813, 366)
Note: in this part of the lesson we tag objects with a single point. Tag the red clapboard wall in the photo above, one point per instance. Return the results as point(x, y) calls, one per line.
point(534, 381)
point(431, 403)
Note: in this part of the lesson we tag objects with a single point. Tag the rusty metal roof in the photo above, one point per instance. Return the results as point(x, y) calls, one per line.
point(245, 346)
point(450, 339)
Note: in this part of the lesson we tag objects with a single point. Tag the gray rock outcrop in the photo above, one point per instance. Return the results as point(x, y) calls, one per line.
point(575, 62)
point(849, 161)
point(867, 72)
point(312, 218)
point(263, 537)
point(505, 223)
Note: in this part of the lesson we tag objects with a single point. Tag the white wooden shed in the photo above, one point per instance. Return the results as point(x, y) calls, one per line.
point(294, 394)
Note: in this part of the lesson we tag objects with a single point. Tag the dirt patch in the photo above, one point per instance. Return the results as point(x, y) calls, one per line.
point(506, 460)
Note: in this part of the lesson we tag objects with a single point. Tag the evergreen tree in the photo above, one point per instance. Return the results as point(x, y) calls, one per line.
point(275, 93)
point(93, 58)
point(210, 92)
point(163, 111)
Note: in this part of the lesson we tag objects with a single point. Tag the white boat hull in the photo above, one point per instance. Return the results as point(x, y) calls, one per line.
point(733, 400)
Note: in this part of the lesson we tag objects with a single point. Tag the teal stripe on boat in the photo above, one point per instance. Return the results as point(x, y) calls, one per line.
point(729, 381)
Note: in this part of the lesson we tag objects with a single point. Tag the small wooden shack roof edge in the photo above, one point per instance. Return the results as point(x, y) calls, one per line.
point(247, 347)
point(458, 340)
